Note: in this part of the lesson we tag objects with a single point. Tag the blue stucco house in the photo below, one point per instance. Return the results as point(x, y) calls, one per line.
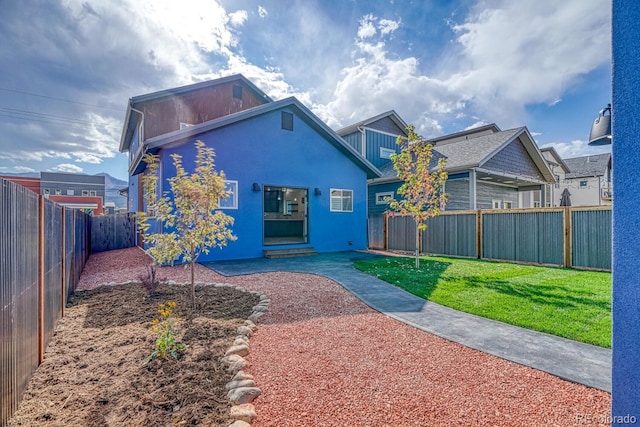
point(488, 168)
point(296, 185)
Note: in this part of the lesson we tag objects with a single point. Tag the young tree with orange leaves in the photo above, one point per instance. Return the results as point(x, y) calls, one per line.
point(423, 184)
point(189, 222)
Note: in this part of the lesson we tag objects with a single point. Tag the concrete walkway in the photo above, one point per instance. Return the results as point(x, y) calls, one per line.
point(571, 360)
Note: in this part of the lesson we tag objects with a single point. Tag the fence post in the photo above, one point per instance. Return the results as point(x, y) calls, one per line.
point(63, 263)
point(568, 237)
point(479, 233)
point(40, 278)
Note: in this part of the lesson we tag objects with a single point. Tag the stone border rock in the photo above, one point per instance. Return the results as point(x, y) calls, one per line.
point(242, 387)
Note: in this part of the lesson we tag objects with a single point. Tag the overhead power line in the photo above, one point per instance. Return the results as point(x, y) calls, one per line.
point(59, 99)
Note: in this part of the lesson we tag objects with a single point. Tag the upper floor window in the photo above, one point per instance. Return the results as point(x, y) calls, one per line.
point(385, 153)
point(231, 202)
point(341, 200)
point(85, 193)
point(58, 192)
point(383, 198)
point(583, 184)
point(92, 193)
point(506, 205)
point(70, 192)
point(287, 121)
point(237, 92)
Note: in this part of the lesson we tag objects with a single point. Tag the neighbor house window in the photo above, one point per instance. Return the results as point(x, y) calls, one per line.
point(231, 202)
point(341, 200)
point(92, 193)
point(536, 204)
point(381, 198)
point(287, 121)
point(506, 205)
point(385, 153)
point(58, 192)
point(583, 184)
point(496, 204)
point(85, 192)
point(69, 192)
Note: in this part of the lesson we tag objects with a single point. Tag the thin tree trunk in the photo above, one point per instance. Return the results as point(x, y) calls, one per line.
point(193, 282)
point(417, 245)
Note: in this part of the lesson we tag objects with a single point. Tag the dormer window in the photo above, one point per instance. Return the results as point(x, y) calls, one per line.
point(385, 153)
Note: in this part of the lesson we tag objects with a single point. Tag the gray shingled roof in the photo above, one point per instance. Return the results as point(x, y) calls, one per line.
point(581, 167)
point(471, 152)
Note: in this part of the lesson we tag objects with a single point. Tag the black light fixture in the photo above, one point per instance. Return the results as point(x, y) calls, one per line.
point(255, 187)
point(601, 129)
point(317, 191)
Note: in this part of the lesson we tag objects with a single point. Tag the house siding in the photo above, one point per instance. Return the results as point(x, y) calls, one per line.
point(354, 140)
point(375, 141)
point(486, 193)
point(258, 150)
point(386, 187)
point(385, 124)
point(514, 159)
point(165, 114)
point(458, 192)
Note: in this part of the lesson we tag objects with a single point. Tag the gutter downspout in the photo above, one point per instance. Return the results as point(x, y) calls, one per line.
point(141, 147)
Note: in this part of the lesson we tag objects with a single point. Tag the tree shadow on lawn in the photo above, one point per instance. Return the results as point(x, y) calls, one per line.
point(557, 296)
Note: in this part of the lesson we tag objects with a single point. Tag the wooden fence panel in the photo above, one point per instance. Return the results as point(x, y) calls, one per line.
point(453, 235)
point(376, 226)
point(401, 233)
point(591, 238)
point(36, 274)
point(19, 290)
point(109, 232)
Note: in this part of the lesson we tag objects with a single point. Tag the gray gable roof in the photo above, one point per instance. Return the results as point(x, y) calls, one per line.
point(291, 103)
point(391, 115)
point(475, 152)
point(587, 166)
point(472, 152)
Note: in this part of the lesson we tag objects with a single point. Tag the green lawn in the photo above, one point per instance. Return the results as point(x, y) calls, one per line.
point(569, 303)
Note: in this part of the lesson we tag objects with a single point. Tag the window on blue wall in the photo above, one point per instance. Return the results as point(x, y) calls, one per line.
point(231, 202)
point(287, 121)
point(341, 200)
point(385, 153)
point(383, 198)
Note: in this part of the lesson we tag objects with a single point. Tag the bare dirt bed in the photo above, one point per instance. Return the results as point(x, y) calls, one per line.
point(320, 356)
point(94, 373)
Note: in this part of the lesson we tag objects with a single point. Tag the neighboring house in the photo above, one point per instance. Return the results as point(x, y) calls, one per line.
point(295, 183)
point(488, 168)
point(73, 190)
point(553, 191)
point(589, 180)
point(78, 191)
point(32, 184)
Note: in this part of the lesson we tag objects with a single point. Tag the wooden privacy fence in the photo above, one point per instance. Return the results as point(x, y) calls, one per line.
point(43, 248)
point(574, 237)
point(109, 232)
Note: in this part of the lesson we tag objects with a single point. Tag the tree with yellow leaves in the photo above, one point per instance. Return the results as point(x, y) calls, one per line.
point(188, 221)
point(423, 184)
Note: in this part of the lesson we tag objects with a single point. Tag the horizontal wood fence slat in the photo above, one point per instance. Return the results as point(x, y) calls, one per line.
point(575, 237)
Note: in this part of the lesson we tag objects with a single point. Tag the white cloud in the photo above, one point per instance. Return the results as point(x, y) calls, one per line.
point(66, 167)
point(477, 124)
point(22, 169)
point(576, 148)
point(387, 26)
point(238, 18)
point(367, 28)
point(262, 12)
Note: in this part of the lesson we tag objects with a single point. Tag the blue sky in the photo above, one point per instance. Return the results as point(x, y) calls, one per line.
point(68, 68)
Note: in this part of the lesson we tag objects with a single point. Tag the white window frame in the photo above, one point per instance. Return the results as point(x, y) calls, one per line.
point(92, 193)
point(506, 204)
point(233, 196)
point(342, 197)
point(385, 153)
point(496, 204)
point(85, 193)
point(70, 192)
point(381, 196)
point(583, 183)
